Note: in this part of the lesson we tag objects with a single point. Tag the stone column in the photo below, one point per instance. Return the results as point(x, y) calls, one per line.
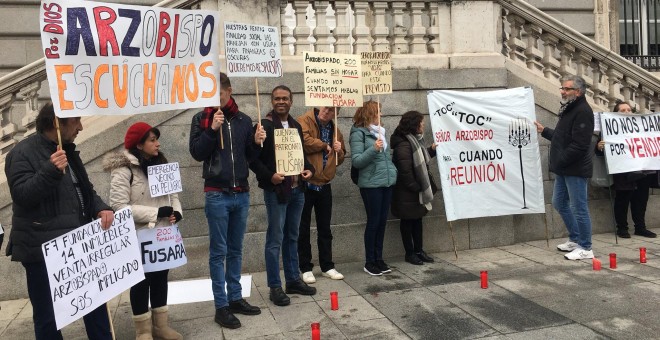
point(322, 32)
point(302, 31)
point(361, 31)
point(380, 31)
point(342, 31)
point(417, 30)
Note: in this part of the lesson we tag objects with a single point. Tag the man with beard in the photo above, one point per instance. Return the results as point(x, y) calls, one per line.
point(284, 199)
point(570, 161)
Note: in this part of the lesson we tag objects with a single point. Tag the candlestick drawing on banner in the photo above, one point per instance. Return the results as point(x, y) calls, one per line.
point(519, 136)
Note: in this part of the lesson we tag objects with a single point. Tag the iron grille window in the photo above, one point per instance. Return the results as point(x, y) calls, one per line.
point(639, 32)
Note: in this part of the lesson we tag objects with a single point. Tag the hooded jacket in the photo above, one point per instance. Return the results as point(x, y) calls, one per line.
point(570, 147)
point(314, 148)
point(45, 202)
point(134, 192)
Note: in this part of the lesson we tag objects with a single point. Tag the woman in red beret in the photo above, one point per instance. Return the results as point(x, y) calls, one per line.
point(129, 186)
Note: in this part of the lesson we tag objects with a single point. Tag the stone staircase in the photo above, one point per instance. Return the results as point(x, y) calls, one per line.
point(466, 45)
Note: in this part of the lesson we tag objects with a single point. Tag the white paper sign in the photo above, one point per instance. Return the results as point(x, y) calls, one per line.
point(190, 291)
point(632, 141)
point(252, 50)
point(116, 59)
point(376, 73)
point(487, 152)
point(164, 179)
point(162, 248)
point(89, 266)
point(332, 79)
point(2, 230)
point(289, 157)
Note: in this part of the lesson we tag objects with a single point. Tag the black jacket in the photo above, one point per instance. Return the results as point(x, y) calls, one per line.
point(224, 168)
point(264, 166)
point(45, 201)
point(570, 147)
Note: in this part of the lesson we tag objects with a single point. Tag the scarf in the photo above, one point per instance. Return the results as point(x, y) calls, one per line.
point(228, 110)
point(563, 106)
point(421, 159)
point(379, 132)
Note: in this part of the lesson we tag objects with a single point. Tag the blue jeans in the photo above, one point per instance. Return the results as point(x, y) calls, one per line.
point(570, 200)
point(377, 205)
point(283, 224)
point(226, 214)
point(97, 324)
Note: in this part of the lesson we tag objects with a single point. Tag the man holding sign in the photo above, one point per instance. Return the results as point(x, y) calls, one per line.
point(51, 196)
point(281, 179)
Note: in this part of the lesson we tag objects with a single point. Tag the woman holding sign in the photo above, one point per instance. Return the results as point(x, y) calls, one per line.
point(415, 186)
point(371, 155)
point(129, 186)
point(632, 189)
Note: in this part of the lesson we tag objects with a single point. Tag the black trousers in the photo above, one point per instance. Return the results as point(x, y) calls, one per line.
point(411, 235)
point(637, 199)
point(97, 323)
point(321, 202)
point(154, 287)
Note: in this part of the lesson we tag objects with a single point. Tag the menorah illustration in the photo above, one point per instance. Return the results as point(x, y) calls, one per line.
point(519, 136)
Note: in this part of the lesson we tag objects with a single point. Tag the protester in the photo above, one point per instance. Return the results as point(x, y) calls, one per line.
point(129, 186)
point(324, 152)
point(371, 155)
point(570, 161)
point(226, 150)
point(631, 189)
point(284, 199)
point(415, 185)
point(51, 195)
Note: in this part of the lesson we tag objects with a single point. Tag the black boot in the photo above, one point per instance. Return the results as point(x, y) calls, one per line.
point(225, 318)
point(299, 287)
point(622, 232)
point(644, 232)
point(413, 259)
point(278, 297)
point(424, 257)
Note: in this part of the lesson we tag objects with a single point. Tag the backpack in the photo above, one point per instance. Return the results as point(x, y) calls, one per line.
point(355, 172)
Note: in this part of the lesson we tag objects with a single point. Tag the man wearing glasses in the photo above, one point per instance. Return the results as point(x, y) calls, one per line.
point(570, 161)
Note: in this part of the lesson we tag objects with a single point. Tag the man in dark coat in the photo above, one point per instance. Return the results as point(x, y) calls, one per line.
point(51, 196)
point(570, 161)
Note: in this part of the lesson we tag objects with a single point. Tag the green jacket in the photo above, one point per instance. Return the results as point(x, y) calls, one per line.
point(376, 168)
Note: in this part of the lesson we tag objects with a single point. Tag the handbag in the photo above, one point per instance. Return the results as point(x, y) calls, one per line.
point(600, 178)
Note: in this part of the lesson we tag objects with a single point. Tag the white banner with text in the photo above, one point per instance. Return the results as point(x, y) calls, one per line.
point(632, 141)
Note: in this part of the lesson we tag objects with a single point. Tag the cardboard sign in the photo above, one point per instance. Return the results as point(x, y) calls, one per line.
point(115, 59)
point(89, 266)
point(162, 248)
point(488, 152)
point(632, 141)
point(376, 73)
point(252, 50)
point(289, 157)
point(164, 179)
point(332, 80)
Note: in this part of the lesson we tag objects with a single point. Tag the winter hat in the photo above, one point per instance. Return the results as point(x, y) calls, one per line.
point(135, 133)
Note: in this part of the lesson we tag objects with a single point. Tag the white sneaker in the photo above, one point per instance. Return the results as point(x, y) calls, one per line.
point(308, 277)
point(333, 274)
point(580, 254)
point(568, 246)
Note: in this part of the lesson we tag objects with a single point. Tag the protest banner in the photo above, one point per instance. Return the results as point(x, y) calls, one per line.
point(162, 248)
point(164, 179)
point(488, 152)
point(289, 158)
point(632, 141)
point(88, 266)
point(332, 80)
point(252, 50)
point(376, 73)
point(114, 59)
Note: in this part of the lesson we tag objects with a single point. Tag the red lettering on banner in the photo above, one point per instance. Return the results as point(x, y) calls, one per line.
point(105, 32)
point(175, 34)
point(164, 41)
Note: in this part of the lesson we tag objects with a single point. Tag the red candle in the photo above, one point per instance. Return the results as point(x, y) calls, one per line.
point(642, 255)
point(334, 302)
point(484, 279)
point(316, 331)
point(613, 260)
point(596, 264)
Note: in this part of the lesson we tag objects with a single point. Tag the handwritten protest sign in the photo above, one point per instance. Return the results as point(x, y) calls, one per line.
point(289, 158)
point(89, 266)
point(487, 152)
point(162, 248)
point(332, 79)
point(252, 50)
point(105, 58)
point(376, 73)
point(632, 141)
point(164, 179)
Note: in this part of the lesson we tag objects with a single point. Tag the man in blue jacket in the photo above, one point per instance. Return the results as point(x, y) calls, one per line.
point(570, 161)
point(52, 196)
point(224, 140)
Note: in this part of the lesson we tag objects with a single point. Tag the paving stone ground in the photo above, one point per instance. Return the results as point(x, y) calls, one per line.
point(533, 293)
